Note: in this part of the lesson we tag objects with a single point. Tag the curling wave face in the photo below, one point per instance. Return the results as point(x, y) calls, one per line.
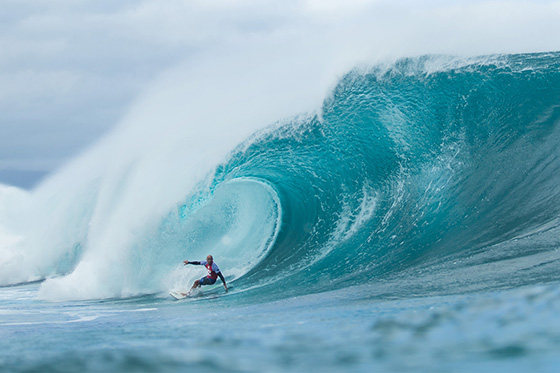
point(417, 172)
point(423, 171)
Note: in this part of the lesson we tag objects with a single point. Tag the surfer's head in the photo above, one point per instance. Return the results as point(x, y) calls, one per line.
point(209, 259)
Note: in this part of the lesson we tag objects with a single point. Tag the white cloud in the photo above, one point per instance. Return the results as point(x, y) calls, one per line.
point(62, 57)
point(35, 85)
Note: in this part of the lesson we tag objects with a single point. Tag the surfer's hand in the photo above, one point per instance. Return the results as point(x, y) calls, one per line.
point(186, 262)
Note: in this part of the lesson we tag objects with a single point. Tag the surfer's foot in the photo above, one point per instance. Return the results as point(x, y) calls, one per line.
point(184, 294)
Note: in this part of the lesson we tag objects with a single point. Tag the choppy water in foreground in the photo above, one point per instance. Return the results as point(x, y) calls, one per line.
point(514, 330)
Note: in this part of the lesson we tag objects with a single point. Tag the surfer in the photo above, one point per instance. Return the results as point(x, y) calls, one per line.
point(213, 274)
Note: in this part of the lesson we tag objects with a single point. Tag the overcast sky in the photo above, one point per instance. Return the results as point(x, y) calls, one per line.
point(69, 69)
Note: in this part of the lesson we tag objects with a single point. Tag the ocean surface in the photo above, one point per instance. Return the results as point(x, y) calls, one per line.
point(410, 224)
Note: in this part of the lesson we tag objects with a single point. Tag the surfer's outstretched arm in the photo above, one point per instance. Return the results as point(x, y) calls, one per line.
point(187, 262)
point(223, 280)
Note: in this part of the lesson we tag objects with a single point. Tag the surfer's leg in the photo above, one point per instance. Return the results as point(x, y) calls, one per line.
point(196, 284)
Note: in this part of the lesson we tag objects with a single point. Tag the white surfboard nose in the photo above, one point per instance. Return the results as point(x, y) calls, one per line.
point(177, 295)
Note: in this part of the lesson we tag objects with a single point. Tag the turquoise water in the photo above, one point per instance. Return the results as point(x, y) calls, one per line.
point(412, 224)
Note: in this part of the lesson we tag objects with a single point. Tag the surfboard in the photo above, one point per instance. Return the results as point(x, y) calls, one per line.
point(196, 293)
point(177, 295)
